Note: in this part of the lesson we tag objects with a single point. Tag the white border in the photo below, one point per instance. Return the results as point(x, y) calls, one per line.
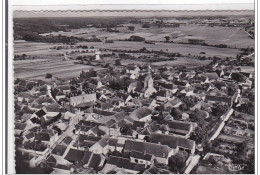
point(70, 4)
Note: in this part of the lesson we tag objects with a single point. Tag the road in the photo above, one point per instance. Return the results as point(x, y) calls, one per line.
point(194, 161)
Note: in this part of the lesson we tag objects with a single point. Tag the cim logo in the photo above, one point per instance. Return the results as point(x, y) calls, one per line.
point(236, 167)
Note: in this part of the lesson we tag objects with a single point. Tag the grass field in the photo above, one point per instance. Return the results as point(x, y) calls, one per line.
point(233, 36)
point(64, 69)
point(183, 49)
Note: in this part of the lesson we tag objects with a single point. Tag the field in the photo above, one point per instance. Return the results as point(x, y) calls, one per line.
point(183, 61)
point(232, 36)
point(183, 49)
point(60, 69)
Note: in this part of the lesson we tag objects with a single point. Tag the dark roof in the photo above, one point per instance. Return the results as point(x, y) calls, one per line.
point(125, 163)
point(172, 141)
point(178, 125)
point(112, 142)
point(148, 148)
point(19, 126)
point(74, 155)
point(140, 113)
point(104, 113)
point(218, 98)
point(83, 138)
point(59, 150)
point(86, 157)
point(67, 140)
point(30, 135)
point(40, 113)
point(95, 161)
point(42, 136)
point(138, 124)
point(86, 104)
point(180, 83)
point(88, 123)
point(140, 155)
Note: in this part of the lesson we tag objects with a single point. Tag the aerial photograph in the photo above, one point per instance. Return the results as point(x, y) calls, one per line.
point(159, 93)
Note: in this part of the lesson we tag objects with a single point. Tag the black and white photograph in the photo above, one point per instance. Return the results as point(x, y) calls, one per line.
point(133, 91)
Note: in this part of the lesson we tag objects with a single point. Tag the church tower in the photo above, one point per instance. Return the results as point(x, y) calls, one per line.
point(148, 84)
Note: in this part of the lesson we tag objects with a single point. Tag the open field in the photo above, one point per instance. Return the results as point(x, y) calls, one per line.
point(30, 48)
point(232, 36)
point(183, 61)
point(64, 69)
point(183, 49)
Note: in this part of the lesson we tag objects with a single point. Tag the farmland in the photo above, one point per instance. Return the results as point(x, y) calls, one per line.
point(235, 37)
point(60, 69)
point(183, 49)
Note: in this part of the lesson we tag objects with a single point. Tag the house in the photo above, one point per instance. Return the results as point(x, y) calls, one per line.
point(160, 152)
point(218, 99)
point(19, 128)
point(135, 87)
point(181, 128)
point(93, 161)
point(174, 142)
point(82, 98)
point(174, 103)
point(62, 169)
point(117, 163)
point(142, 114)
point(133, 70)
point(74, 155)
point(112, 142)
point(101, 147)
point(141, 158)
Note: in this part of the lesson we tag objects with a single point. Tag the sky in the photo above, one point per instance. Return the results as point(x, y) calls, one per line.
point(83, 10)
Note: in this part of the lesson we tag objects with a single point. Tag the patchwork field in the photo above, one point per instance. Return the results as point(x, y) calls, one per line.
point(232, 36)
point(183, 49)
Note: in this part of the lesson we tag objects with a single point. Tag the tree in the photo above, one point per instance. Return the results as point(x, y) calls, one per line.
point(177, 162)
point(167, 38)
point(145, 25)
point(176, 114)
point(136, 38)
point(238, 77)
point(48, 75)
point(118, 63)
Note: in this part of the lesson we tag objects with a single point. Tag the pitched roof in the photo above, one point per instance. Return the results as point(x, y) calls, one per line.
point(172, 141)
point(125, 163)
point(112, 142)
point(40, 113)
point(29, 135)
point(105, 113)
point(140, 155)
point(179, 125)
point(218, 98)
point(59, 150)
point(95, 161)
point(74, 155)
point(148, 148)
point(140, 113)
point(67, 140)
point(42, 136)
point(86, 157)
point(19, 126)
point(83, 138)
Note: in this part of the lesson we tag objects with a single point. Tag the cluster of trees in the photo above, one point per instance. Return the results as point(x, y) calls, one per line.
point(89, 74)
point(24, 57)
point(135, 38)
point(35, 145)
point(177, 162)
point(119, 84)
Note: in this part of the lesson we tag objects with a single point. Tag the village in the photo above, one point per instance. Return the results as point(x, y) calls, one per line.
point(135, 118)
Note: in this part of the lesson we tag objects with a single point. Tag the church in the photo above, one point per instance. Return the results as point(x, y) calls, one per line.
point(148, 84)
